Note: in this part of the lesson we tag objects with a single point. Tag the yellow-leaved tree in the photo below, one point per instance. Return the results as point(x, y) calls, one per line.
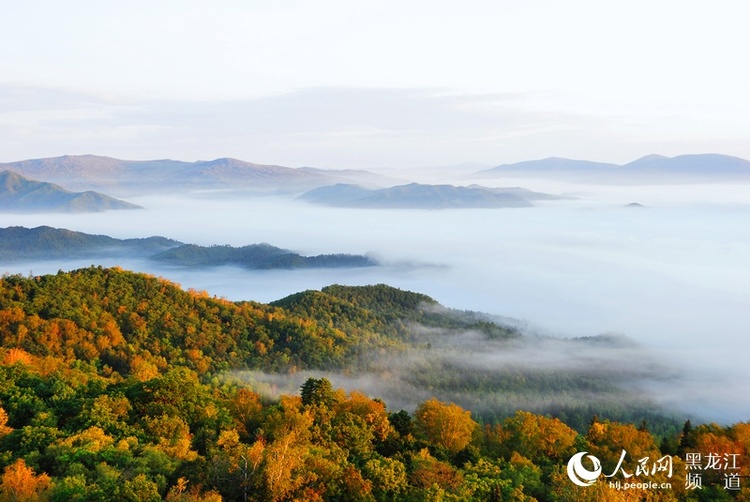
point(446, 425)
point(21, 484)
point(4, 429)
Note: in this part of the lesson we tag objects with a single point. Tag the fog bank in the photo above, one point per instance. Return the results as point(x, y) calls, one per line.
point(672, 275)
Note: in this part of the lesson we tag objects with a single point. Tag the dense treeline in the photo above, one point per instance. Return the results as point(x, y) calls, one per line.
point(113, 387)
point(67, 433)
point(47, 243)
point(260, 256)
point(129, 323)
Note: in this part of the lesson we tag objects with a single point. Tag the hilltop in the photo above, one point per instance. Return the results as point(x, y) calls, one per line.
point(418, 196)
point(47, 243)
point(650, 167)
point(258, 256)
point(414, 345)
point(122, 386)
point(357, 188)
point(146, 176)
point(22, 195)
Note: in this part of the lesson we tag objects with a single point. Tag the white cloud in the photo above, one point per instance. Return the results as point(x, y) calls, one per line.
point(600, 80)
point(325, 127)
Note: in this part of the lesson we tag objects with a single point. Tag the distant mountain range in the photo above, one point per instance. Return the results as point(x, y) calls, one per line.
point(341, 188)
point(22, 195)
point(686, 166)
point(46, 243)
point(417, 196)
point(690, 164)
point(128, 176)
point(552, 164)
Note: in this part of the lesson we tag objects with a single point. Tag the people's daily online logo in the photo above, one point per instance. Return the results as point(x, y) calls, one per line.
point(584, 476)
point(584, 470)
point(581, 476)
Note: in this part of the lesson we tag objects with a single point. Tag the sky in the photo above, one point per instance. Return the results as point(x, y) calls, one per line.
point(374, 84)
point(409, 84)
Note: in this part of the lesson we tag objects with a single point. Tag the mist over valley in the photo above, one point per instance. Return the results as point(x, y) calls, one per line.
point(670, 276)
point(47, 243)
point(374, 251)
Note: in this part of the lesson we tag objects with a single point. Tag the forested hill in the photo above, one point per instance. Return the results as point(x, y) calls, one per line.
point(384, 309)
point(135, 324)
point(123, 321)
point(22, 195)
point(257, 256)
point(47, 243)
point(117, 386)
point(107, 316)
point(418, 196)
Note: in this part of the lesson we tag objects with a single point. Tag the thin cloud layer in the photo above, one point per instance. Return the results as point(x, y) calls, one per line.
point(325, 127)
point(671, 276)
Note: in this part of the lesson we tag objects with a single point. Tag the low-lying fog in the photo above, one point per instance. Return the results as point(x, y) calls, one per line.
point(673, 275)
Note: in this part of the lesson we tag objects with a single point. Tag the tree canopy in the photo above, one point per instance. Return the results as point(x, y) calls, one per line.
point(113, 386)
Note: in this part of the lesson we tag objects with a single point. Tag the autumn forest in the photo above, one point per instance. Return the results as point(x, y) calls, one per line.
point(119, 386)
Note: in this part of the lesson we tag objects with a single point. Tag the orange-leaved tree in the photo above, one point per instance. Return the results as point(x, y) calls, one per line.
point(21, 484)
point(446, 425)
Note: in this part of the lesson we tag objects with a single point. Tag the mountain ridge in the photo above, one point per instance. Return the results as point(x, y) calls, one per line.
point(414, 196)
point(21, 194)
point(408, 338)
point(143, 176)
point(706, 165)
point(127, 387)
point(44, 242)
point(695, 163)
point(128, 177)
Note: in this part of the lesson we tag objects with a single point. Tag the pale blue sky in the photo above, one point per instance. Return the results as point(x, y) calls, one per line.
point(374, 83)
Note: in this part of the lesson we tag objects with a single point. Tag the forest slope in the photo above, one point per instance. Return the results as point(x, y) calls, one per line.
point(405, 341)
point(46, 243)
point(119, 386)
point(21, 195)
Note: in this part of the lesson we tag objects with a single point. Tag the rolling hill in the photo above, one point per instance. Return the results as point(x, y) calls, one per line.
point(47, 243)
point(122, 386)
point(416, 196)
point(258, 256)
point(405, 341)
point(21, 195)
point(552, 164)
point(128, 176)
point(704, 164)
point(697, 166)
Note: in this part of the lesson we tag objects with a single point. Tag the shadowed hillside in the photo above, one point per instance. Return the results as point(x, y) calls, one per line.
point(47, 243)
point(22, 195)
